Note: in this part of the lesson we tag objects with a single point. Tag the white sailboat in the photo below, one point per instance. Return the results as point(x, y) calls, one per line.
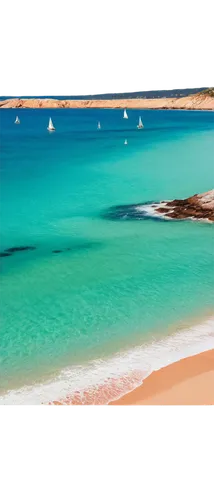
point(125, 114)
point(17, 121)
point(51, 127)
point(140, 124)
point(98, 126)
point(125, 142)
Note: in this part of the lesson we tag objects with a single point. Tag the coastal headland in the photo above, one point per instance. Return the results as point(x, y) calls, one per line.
point(196, 207)
point(199, 101)
point(199, 206)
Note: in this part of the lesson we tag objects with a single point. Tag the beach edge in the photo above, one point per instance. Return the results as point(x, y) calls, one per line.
point(189, 381)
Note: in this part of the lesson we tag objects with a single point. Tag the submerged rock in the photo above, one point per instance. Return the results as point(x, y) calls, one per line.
point(5, 254)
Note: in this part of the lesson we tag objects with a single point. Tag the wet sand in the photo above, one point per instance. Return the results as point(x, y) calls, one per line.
point(189, 381)
point(194, 101)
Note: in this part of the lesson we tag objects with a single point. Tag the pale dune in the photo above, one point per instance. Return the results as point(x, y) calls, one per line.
point(189, 381)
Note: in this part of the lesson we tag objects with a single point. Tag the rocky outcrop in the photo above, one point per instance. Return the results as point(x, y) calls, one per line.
point(199, 206)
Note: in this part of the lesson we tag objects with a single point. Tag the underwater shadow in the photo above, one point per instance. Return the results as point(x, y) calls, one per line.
point(73, 248)
point(134, 212)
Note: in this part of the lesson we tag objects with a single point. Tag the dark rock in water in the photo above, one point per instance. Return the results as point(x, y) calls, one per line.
point(162, 210)
point(200, 206)
point(19, 249)
point(5, 254)
point(56, 251)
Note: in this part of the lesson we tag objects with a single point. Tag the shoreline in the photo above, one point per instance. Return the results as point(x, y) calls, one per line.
point(189, 381)
point(204, 102)
point(104, 381)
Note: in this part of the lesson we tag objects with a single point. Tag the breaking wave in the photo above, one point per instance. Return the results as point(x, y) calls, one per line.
point(105, 380)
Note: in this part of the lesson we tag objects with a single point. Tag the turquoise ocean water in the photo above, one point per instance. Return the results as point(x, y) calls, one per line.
point(72, 320)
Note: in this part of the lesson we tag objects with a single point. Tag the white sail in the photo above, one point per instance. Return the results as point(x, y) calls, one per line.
point(17, 120)
point(125, 142)
point(98, 126)
point(50, 125)
point(140, 124)
point(125, 114)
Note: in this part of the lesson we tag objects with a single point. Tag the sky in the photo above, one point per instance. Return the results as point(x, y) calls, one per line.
point(149, 83)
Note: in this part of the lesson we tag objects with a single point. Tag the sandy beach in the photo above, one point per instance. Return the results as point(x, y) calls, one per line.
point(199, 101)
point(189, 381)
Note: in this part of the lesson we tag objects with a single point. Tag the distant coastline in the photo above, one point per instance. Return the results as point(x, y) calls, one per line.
point(200, 101)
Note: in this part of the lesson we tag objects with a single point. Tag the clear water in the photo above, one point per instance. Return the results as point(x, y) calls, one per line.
point(116, 284)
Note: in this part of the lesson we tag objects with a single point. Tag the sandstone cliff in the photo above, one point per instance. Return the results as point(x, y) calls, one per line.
point(203, 100)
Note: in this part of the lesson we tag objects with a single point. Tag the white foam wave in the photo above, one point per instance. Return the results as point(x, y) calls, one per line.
point(151, 210)
point(140, 362)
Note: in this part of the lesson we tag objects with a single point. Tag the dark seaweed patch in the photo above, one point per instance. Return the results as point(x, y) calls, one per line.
point(78, 247)
point(5, 254)
point(19, 249)
point(84, 246)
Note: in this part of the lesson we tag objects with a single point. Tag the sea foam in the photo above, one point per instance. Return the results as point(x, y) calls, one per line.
point(102, 381)
point(151, 210)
